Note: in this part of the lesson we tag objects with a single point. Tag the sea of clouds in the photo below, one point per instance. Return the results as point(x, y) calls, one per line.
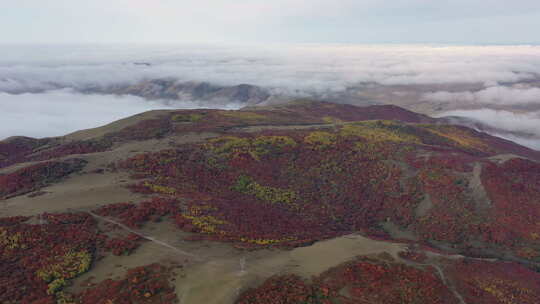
point(61, 111)
point(496, 95)
point(40, 85)
point(302, 67)
point(527, 124)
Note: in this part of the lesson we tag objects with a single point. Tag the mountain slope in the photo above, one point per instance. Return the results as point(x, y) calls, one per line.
point(308, 202)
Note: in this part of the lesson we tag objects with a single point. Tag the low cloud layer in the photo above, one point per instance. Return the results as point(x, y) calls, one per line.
point(60, 112)
point(497, 95)
point(39, 84)
point(526, 124)
point(294, 69)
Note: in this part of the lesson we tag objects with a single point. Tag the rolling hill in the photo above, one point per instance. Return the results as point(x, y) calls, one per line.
point(306, 202)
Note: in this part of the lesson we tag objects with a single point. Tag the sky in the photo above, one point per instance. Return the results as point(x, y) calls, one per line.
point(276, 21)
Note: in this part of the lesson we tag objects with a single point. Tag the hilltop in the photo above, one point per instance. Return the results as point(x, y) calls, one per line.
point(305, 202)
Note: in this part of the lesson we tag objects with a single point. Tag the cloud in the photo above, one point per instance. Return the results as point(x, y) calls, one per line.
point(58, 112)
point(52, 75)
point(526, 126)
point(527, 142)
point(497, 95)
point(292, 68)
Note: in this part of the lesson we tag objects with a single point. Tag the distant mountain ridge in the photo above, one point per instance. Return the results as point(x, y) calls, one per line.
point(171, 89)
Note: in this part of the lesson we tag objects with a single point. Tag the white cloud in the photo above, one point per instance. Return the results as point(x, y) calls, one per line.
point(316, 68)
point(56, 113)
point(287, 69)
point(443, 96)
point(497, 95)
point(527, 142)
point(528, 123)
point(506, 95)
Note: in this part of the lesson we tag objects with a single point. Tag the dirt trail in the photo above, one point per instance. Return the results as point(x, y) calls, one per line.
point(222, 279)
point(443, 278)
point(87, 189)
point(282, 127)
point(152, 239)
point(450, 286)
point(217, 275)
point(479, 193)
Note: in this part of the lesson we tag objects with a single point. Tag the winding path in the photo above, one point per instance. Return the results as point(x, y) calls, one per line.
point(445, 282)
point(242, 271)
point(152, 239)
